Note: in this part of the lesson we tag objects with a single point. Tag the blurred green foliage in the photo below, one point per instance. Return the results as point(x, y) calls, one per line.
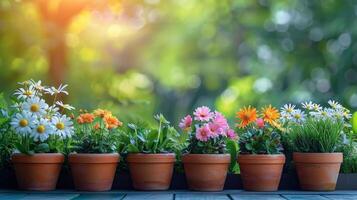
point(141, 57)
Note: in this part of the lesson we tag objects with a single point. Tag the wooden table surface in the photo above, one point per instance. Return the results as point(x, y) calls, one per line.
point(178, 195)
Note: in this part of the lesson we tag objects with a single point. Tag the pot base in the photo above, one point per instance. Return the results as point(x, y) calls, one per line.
point(151, 171)
point(93, 172)
point(206, 172)
point(38, 172)
point(261, 173)
point(318, 171)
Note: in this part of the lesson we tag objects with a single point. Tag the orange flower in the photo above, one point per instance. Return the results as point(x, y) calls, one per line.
point(112, 122)
point(96, 126)
point(246, 116)
point(270, 115)
point(85, 118)
point(102, 113)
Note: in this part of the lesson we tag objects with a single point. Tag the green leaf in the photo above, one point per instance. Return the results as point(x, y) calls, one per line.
point(232, 148)
point(354, 122)
point(132, 148)
point(3, 104)
point(42, 148)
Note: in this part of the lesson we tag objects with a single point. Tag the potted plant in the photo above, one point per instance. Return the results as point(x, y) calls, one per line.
point(42, 132)
point(260, 160)
point(8, 138)
point(151, 153)
point(206, 160)
point(315, 135)
point(94, 159)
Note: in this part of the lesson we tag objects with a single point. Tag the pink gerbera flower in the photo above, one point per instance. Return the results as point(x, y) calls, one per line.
point(260, 123)
point(220, 120)
point(215, 129)
point(186, 123)
point(231, 134)
point(203, 133)
point(203, 114)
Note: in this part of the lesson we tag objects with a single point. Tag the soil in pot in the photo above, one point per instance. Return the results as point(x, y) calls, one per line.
point(317, 171)
point(151, 171)
point(93, 172)
point(206, 172)
point(37, 172)
point(261, 172)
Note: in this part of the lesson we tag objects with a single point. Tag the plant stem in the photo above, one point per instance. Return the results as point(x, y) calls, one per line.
point(158, 137)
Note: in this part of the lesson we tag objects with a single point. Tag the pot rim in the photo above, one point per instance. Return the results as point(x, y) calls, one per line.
point(95, 158)
point(37, 158)
point(151, 158)
point(335, 157)
point(261, 159)
point(207, 158)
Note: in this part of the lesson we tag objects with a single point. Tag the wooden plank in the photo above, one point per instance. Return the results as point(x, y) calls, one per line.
point(148, 196)
point(341, 197)
point(11, 196)
point(103, 196)
point(201, 196)
point(256, 197)
point(49, 196)
point(304, 197)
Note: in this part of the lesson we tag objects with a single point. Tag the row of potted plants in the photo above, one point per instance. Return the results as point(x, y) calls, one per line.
point(93, 141)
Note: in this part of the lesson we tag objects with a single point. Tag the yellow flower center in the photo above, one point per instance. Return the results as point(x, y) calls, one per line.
point(28, 93)
point(23, 122)
point(60, 126)
point(297, 116)
point(41, 129)
point(35, 108)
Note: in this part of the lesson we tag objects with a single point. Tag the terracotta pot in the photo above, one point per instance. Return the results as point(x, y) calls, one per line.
point(318, 171)
point(37, 172)
point(261, 172)
point(151, 171)
point(206, 172)
point(93, 172)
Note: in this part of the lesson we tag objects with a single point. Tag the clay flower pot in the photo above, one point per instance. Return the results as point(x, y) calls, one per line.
point(93, 172)
point(261, 172)
point(37, 172)
point(206, 172)
point(151, 171)
point(318, 171)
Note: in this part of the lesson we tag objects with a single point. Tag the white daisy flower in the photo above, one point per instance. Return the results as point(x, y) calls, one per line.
point(37, 85)
point(338, 114)
point(63, 126)
point(42, 130)
point(53, 90)
point(308, 105)
point(298, 116)
point(285, 117)
point(287, 109)
point(23, 122)
point(323, 114)
point(17, 106)
point(316, 107)
point(35, 106)
point(65, 106)
point(334, 104)
point(23, 93)
point(52, 110)
point(346, 114)
point(25, 83)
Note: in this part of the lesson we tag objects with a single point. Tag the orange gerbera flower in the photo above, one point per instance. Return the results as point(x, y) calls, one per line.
point(96, 126)
point(112, 122)
point(270, 115)
point(246, 116)
point(85, 118)
point(102, 113)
